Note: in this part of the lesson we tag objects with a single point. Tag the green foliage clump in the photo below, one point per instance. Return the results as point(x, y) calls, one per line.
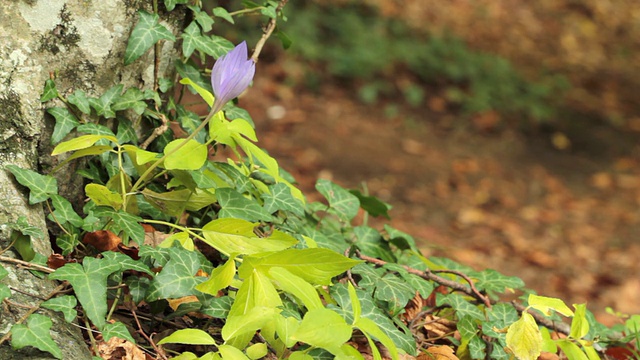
point(354, 42)
point(231, 259)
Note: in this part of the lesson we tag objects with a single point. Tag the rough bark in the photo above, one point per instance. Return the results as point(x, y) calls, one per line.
point(83, 43)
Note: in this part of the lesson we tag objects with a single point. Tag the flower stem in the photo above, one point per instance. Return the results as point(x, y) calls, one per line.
point(140, 181)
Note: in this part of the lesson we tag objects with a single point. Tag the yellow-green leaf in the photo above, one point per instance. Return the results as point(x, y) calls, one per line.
point(102, 196)
point(524, 338)
point(206, 96)
point(571, 350)
point(190, 337)
point(323, 328)
point(297, 286)
point(545, 304)
point(190, 156)
point(579, 323)
point(220, 278)
point(81, 142)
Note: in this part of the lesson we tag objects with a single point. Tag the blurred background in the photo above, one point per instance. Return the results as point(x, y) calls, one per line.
point(503, 132)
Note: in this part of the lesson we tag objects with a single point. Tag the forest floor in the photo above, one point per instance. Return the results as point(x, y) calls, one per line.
point(566, 222)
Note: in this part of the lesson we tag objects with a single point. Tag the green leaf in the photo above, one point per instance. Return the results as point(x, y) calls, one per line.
point(126, 132)
point(235, 236)
point(137, 287)
point(546, 304)
point(126, 262)
point(462, 306)
point(96, 129)
point(188, 336)
point(285, 327)
point(22, 225)
point(248, 323)
point(579, 323)
point(500, 316)
point(341, 202)
point(372, 244)
point(80, 100)
point(35, 333)
point(67, 243)
point(257, 351)
point(80, 142)
point(280, 198)
point(220, 278)
point(49, 92)
point(192, 71)
point(174, 203)
point(494, 282)
point(177, 277)
point(65, 122)
point(206, 95)
point(116, 329)
point(296, 286)
point(216, 307)
point(202, 18)
point(5, 292)
point(102, 196)
point(92, 150)
point(41, 187)
point(401, 239)
point(65, 304)
point(215, 46)
point(22, 244)
point(231, 353)
point(190, 155)
point(571, 350)
point(131, 99)
point(64, 211)
point(524, 338)
point(89, 282)
point(316, 266)
point(323, 328)
point(372, 205)
point(145, 34)
point(284, 39)
point(223, 13)
point(171, 4)
point(369, 327)
point(234, 205)
point(392, 289)
point(102, 105)
point(129, 224)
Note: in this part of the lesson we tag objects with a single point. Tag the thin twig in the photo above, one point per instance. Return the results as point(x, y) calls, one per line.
point(428, 275)
point(27, 264)
point(159, 352)
point(485, 299)
point(157, 131)
point(271, 25)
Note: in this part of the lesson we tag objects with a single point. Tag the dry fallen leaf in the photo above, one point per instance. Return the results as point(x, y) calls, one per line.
point(103, 240)
point(438, 353)
point(119, 349)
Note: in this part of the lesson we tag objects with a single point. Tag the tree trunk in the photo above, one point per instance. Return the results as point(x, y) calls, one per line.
point(83, 43)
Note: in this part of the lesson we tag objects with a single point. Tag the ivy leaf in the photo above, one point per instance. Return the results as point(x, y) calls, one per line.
point(126, 262)
point(223, 13)
point(146, 33)
point(116, 329)
point(234, 205)
point(177, 277)
point(462, 306)
point(190, 71)
point(369, 310)
point(396, 292)
point(202, 18)
point(102, 105)
point(236, 236)
point(171, 4)
point(216, 307)
point(65, 122)
point(65, 304)
point(137, 287)
point(341, 202)
point(5, 292)
point(89, 282)
point(41, 187)
point(130, 225)
point(64, 212)
point(500, 316)
point(524, 338)
point(233, 112)
point(131, 99)
point(280, 198)
point(401, 239)
point(193, 39)
point(22, 225)
point(372, 244)
point(126, 133)
point(80, 100)
point(493, 282)
point(372, 205)
point(35, 333)
point(316, 266)
point(49, 92)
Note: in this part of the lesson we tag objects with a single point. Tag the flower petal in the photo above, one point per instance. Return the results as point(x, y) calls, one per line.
point(231, 75)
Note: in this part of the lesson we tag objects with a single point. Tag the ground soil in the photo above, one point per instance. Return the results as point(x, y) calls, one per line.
point(564, 221)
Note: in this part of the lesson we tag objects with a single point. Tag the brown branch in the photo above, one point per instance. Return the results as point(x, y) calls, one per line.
point(479, 295)
point(159, 352)
point(157, 131)
point(428, 275)
point(271, 25)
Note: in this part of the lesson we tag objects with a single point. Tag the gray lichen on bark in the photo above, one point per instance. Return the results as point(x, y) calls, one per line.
point(81, 42)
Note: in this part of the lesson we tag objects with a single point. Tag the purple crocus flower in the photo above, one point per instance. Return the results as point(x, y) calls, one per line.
point(231, 75)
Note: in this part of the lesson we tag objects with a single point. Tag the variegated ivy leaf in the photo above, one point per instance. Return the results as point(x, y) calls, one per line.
point(177, 277)
point(146, 33)
point(341, 202)
point(41, 187)
point(234, 205)
point(35, 333)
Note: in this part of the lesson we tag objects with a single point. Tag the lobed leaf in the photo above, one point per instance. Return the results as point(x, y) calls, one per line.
point(35, 333)
point(41, 187)
point(145, 34)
